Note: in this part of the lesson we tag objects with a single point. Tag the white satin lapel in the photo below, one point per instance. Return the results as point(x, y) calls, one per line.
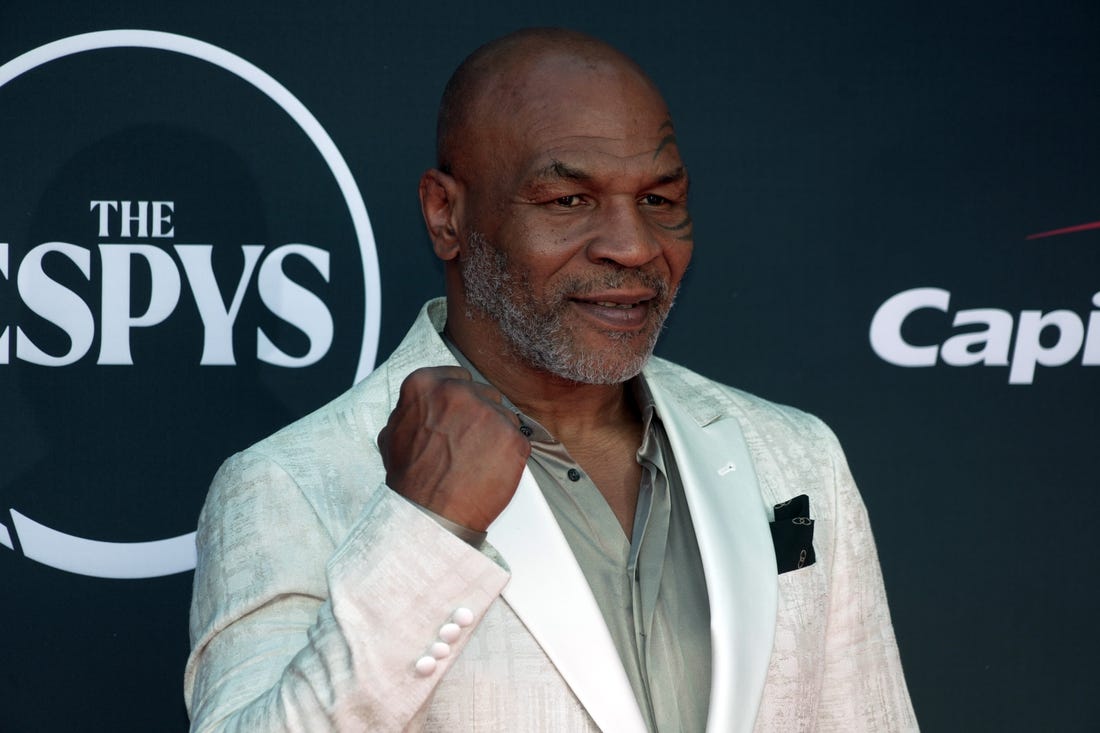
point(549, 593)
point(738, 556)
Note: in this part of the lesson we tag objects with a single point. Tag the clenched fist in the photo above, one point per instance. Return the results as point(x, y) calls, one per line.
point(451, 446)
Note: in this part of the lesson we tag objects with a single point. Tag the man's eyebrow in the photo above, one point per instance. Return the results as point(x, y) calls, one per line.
point(673, 176)
point(557, 169)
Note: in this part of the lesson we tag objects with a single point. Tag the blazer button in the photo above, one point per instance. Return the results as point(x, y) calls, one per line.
point(440, 649)
point(463, 617)
point(450, 633)
point(425, 666)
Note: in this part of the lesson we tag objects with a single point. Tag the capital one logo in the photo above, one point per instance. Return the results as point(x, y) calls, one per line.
point(1004, 339)
point(177, 274)
point(991, 337)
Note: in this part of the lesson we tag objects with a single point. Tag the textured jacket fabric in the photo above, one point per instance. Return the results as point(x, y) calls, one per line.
point(325, 601)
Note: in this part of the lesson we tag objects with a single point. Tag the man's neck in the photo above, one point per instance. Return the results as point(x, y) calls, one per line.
point(572, 412)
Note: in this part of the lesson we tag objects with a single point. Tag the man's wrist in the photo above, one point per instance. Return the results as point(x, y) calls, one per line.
point(472, 537)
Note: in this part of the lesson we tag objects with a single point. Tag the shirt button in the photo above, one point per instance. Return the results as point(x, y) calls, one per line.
point(574, 474)
point(525, 430)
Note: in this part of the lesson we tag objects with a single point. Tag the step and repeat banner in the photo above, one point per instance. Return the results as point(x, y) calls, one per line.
point(209, 227)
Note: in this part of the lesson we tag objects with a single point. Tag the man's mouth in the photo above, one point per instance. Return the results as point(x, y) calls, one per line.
point(625, 311)
point(618, 299)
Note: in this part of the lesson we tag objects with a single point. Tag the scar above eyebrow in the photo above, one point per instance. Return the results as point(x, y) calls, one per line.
point(557, 170)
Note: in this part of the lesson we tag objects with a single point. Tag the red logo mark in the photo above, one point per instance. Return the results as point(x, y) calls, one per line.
point(1065, 230)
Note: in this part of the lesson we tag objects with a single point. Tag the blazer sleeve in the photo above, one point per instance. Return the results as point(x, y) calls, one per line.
point(863, 686)
point(295, 629)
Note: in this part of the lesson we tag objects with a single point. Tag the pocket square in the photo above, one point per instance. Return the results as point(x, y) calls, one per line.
point(793, 534)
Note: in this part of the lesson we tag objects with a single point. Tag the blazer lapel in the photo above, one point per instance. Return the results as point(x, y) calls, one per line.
point(731, 525)
point(549, 593)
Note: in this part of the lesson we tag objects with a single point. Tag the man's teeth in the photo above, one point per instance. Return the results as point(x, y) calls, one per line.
point(609, 304)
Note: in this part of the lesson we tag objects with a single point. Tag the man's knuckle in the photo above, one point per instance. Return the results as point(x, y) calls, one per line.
point(414, 383)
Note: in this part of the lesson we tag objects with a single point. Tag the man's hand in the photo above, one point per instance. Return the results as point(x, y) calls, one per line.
point(452, 447)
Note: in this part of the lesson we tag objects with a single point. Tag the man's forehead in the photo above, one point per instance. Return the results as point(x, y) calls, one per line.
point(578, 141)
point(587, 111)
point(553, 77)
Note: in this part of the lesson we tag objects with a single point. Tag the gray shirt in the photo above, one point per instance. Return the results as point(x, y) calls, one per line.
point(649, 587)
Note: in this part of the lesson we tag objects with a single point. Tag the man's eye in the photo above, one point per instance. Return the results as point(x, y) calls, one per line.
point(652, 199)
point(568, 201)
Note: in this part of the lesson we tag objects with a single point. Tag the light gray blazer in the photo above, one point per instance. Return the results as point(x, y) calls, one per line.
point(321, 596)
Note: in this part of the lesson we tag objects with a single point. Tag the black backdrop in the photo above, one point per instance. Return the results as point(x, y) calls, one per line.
point(841, 154)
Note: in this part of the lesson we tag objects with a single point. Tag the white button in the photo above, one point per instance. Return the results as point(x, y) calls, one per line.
point(440, 649)
point(450, 633)
point(425, 666)
point(463, 617)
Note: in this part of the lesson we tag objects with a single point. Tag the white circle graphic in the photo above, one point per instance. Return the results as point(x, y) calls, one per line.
point(177, 554)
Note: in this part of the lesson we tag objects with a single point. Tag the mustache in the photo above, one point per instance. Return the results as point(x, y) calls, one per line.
point(580, 287)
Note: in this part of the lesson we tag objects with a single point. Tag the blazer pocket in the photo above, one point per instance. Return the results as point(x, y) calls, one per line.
point(804, 591)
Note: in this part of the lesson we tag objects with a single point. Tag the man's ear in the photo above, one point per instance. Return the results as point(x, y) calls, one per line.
point(440, 204)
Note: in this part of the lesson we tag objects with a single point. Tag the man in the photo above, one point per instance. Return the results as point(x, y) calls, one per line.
point(521, 522)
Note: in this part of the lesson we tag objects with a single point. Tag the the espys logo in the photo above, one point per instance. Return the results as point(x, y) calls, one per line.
point(1022, 342)
point(159, 274)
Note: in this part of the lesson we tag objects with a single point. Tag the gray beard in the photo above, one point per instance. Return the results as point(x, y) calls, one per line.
point(537, 332)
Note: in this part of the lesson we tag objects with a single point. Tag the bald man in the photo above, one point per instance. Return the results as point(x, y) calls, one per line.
point(521, 521)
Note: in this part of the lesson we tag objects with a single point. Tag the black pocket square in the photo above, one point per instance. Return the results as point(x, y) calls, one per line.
point(793, 534)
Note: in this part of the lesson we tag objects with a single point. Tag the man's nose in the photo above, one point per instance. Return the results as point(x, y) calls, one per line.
point(625, 237)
